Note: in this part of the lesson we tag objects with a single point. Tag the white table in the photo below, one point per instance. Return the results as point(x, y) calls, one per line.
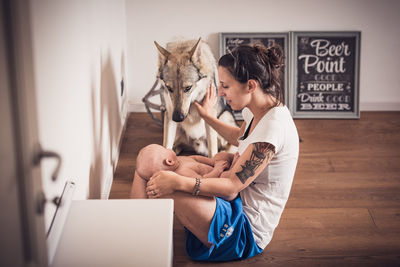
point(117, 233)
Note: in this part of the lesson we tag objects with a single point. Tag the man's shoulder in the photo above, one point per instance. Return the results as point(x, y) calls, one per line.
point(188, 170)
point(186, 159)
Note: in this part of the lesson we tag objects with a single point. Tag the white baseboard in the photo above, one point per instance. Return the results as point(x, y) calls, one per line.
point(106, 190)
point(136, 107)
point(380, 106)
point(364, 106)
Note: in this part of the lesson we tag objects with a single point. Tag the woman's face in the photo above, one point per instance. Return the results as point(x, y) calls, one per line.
point(234, 92)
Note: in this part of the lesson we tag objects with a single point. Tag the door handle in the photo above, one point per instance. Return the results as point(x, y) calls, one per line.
point(40, 154)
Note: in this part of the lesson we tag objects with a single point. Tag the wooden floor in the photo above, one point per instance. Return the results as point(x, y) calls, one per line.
point(344, 207)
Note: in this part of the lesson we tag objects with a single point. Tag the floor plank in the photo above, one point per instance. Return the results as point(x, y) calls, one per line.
point(344, 207)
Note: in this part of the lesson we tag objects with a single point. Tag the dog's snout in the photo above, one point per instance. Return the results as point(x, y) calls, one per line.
point(178, 116)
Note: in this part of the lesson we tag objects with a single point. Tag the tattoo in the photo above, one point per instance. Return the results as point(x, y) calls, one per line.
point(261, 152)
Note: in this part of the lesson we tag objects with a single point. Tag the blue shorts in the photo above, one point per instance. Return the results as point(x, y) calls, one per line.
point(230, 235)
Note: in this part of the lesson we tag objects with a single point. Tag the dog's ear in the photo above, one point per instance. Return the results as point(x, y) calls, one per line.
point(191, 53)
point(162, 50)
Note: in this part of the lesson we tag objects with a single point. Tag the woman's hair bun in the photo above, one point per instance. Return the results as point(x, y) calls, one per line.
point(275, 54)
point(272, 55)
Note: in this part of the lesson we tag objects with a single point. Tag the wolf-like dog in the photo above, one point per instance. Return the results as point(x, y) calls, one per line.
point(186, 69)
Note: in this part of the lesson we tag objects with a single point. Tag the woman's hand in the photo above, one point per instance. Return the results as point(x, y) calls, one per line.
point(161, 184)
point(209, 101)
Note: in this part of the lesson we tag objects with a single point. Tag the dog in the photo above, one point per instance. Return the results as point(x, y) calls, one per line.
point(185, 69)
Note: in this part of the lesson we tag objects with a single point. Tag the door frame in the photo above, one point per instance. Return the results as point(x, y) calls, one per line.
point(27, 175)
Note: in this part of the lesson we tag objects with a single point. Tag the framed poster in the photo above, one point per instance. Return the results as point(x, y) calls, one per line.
point(229, 41)
point(325, 74)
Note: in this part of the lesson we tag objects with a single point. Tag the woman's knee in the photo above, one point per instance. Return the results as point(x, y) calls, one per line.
point(138, 189)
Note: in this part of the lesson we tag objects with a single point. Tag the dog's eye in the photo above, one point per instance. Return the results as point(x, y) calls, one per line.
point(187, 88)
point(169, 88)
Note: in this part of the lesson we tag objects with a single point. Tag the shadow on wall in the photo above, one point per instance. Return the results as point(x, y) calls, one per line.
point(213, 41)
point(106, 118)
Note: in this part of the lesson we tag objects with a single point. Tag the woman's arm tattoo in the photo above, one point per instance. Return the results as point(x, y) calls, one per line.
point(261, 152)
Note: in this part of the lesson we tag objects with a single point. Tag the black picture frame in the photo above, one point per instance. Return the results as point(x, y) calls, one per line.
point(325, 68)
point(229, 40)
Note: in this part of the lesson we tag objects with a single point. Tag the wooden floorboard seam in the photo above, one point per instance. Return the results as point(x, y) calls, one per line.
point(344, 206)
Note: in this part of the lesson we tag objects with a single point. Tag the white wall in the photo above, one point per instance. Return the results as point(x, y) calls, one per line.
point(79, 57)
point(162, 21)
point(81, 49)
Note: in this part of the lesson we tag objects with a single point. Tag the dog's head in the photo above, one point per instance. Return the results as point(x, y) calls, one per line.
point(182, 76)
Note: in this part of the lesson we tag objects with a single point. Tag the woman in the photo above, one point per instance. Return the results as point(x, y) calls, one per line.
point(235, 217)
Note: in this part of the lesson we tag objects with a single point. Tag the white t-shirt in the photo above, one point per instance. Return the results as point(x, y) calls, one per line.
point(265, 199)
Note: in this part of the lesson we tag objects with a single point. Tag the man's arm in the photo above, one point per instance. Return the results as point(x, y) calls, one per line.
point(224, 156)
point(219, 167)
point(246, 169)
point(204, 160)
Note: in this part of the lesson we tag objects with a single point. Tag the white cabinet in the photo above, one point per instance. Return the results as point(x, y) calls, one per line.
point(116, 233)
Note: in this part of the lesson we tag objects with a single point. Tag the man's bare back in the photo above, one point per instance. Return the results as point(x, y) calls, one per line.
point(191, 167)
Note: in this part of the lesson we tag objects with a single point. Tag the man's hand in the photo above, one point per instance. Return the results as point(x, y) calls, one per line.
point(221, 165)
point(224, 156)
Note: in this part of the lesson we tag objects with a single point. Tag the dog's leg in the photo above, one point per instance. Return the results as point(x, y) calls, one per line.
point(212, 141)
point(227, 118)
point(169, 131)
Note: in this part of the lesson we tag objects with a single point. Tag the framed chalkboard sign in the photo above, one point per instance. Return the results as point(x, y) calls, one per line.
point(229, 41)
point(325, 74)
